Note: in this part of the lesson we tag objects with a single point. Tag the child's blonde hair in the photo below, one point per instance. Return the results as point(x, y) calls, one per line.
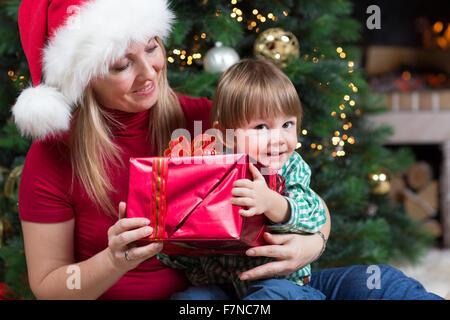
point(253, 89)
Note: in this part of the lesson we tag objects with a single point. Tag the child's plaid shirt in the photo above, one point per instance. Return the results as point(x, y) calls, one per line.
point(307, 216)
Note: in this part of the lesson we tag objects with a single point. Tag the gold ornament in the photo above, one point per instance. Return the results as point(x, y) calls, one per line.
point(277, 45)
point(13, 178)
point(380, 182)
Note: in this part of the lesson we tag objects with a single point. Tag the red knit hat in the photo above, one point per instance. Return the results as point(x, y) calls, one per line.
point(67, 43)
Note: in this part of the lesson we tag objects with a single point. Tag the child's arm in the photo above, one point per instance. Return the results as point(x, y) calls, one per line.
point(300, 211)
point(306, 207)
point(259, 199)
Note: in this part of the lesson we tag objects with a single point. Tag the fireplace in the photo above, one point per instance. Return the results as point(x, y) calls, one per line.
point(407, 61)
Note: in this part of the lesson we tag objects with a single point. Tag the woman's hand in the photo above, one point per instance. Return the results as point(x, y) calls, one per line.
point(291, 251)
point(124, 253)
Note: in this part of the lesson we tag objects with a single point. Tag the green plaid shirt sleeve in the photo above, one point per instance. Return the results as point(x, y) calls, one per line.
point(307, 210)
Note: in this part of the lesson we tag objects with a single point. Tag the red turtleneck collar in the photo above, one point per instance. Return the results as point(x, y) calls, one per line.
point(129, 124)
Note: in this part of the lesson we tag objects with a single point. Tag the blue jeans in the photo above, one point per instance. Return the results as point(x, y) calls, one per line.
point(346, 283)
point(271, 289)
point(369, 282)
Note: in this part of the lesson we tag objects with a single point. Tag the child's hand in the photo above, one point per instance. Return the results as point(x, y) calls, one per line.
point(255, 195)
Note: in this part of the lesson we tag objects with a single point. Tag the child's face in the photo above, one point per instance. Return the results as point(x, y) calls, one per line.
point(269, 141)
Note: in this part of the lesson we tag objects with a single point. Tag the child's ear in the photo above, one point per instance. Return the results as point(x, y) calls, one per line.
point(215, 125)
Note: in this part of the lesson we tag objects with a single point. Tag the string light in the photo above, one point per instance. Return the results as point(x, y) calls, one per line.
point(378, 177)
point(183, 56)
point(335, 140)
point(438, 27)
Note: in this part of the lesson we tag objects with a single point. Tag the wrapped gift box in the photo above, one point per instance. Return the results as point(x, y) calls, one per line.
point(187, 200)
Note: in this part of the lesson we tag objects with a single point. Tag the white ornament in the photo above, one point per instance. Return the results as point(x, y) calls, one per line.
point(220, 58)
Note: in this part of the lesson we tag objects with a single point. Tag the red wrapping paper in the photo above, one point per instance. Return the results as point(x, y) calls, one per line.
point(187, 200)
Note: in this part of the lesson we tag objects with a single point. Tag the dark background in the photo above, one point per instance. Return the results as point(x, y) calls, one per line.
point(398, 20)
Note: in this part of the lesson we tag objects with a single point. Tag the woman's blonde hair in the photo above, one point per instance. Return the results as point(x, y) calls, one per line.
point(253, 89)
point(93, 151)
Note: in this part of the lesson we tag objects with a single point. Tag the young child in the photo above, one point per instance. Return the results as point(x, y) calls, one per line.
point(260, 103)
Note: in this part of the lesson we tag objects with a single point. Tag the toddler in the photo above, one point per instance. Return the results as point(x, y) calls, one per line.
point(259, 102)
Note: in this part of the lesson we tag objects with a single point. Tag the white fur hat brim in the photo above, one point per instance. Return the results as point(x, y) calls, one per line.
point(93, 38)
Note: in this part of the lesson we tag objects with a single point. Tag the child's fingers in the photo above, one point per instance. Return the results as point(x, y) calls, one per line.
point(241, 192)
point(243, 202)
point(255, 172)
point(243, 183)
point(248, 213)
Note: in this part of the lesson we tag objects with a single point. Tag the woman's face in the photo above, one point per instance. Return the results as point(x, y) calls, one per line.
point(132, 82)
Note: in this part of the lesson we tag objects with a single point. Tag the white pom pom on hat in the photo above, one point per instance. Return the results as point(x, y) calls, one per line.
point(68, 43)
point(42, 110)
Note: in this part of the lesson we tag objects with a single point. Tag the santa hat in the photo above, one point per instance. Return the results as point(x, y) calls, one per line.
point(67, 43)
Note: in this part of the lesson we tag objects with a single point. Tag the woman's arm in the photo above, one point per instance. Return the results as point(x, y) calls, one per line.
point(291, 251)
point(49, 249)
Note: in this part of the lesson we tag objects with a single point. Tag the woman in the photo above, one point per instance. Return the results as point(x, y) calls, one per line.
point(106, 58)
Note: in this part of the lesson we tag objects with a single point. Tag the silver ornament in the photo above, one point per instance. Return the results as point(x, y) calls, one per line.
point(220, 58)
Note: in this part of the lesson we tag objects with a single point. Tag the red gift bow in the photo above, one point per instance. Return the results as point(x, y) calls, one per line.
point(202, 145)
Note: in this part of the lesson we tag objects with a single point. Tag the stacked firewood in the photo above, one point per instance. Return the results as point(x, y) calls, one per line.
point(419, 193)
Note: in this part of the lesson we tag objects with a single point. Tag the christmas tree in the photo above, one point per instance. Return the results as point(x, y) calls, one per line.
point(316, 45)
point(315, 42)
point(13, 76)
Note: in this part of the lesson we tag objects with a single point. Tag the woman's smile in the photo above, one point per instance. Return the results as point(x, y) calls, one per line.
point(146, 90)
